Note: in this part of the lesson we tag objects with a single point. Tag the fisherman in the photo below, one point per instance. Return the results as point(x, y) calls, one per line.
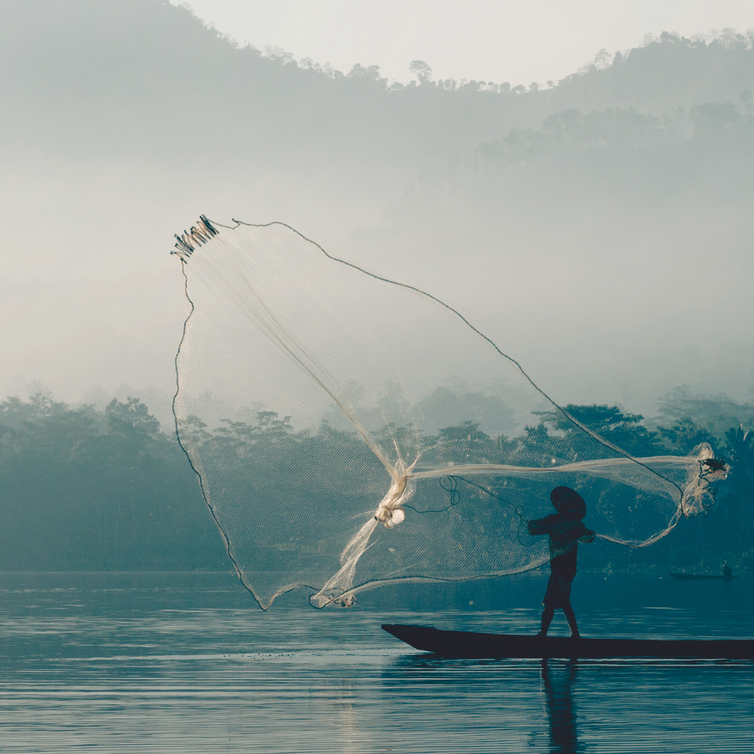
point(566, 529)
point(727, 571)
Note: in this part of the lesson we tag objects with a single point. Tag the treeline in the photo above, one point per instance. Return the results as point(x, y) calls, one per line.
point(160, 65)
point(580, 161)
point(98, 490)
point(84, 489)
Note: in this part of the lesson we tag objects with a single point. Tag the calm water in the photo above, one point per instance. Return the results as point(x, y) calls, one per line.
point(185, 663)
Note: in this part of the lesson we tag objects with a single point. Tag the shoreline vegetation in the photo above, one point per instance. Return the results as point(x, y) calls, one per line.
point(107, 490)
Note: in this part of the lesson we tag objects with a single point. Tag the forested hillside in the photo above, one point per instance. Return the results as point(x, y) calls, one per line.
point(95, 490)
point(107, 490)
point(144, 77)
point(125, 119)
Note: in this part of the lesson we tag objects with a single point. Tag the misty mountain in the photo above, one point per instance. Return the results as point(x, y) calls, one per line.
point(145, 78)
point(623, 189)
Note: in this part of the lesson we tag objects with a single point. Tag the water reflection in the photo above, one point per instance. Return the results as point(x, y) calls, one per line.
point(557, 682)
point(173, 664)
point(510, 695)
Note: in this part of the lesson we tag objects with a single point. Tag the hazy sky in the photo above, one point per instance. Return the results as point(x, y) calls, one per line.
point(518, 41)
point(101, 166)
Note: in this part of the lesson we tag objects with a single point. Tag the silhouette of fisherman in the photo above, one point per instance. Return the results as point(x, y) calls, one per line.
point(566, 530)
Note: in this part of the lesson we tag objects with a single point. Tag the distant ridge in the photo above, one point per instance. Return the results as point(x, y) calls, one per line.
point(149, 77)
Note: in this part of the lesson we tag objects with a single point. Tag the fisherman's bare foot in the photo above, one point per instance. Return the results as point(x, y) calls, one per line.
point(576, 636)
point(540, 635)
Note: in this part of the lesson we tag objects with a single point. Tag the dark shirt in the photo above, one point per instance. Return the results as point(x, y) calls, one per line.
point(564, 534)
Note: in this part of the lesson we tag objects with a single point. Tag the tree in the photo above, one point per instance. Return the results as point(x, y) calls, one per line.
point(465, 443)
point(421, 70)
point(740, 450)
point(609, 422)
point(131, 419)
point(685, 435)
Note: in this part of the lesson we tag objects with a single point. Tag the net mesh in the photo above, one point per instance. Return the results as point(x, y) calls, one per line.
point(350, 431)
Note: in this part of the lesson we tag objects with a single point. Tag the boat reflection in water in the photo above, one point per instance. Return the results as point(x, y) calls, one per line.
point(558, 678)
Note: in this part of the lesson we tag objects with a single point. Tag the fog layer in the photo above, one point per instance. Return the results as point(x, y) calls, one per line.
point(598, 229)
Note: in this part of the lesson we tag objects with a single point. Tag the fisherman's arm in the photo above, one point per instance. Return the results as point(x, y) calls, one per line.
point(544, 525)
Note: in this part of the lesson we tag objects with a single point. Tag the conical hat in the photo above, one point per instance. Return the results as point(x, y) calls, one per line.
point(568, 503)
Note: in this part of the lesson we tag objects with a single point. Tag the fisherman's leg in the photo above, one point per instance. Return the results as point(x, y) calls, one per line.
point(547, 614)
point(571, 618)
point(550, 600)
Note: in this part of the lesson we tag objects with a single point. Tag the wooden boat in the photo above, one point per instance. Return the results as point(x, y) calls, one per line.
point(680, 575)
point(468, 644)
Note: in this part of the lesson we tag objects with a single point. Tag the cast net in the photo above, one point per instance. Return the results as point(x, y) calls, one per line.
point(349, 431)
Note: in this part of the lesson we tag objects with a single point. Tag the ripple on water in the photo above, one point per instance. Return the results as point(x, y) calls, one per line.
point(148, 672)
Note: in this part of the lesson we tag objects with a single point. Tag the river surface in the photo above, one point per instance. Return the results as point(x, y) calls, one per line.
point(188, 663)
